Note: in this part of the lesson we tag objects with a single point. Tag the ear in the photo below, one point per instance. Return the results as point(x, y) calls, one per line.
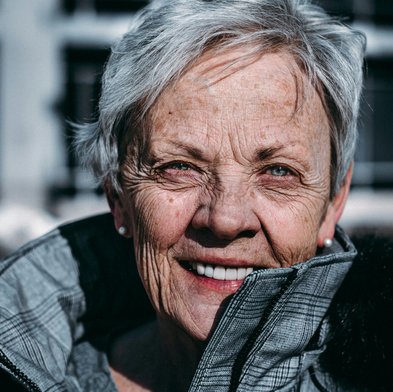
point(118, 211)
point(335, 210)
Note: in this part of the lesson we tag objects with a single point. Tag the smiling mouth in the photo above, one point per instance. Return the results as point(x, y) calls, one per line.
point(217, 271)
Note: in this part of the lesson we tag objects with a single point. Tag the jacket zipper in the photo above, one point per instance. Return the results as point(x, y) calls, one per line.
point(18, 374)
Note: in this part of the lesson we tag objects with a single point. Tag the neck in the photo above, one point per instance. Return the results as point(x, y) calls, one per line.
point(181, 354)
point(156, 357)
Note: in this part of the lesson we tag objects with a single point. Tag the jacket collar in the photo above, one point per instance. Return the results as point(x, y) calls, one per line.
point(274, 327)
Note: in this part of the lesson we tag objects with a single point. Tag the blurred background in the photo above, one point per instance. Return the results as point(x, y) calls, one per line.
point(51, 58)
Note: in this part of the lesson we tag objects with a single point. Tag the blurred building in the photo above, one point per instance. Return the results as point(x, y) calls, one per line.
point(51, 58)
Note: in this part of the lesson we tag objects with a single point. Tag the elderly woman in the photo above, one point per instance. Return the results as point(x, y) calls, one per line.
point(224, 143)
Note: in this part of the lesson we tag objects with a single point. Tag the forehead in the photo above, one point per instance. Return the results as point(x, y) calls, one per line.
point(234, 92)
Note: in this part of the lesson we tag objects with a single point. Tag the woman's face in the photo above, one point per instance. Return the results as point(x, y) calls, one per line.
point(236, 177)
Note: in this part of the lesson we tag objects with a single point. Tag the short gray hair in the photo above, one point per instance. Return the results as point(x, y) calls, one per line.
point(167, 36)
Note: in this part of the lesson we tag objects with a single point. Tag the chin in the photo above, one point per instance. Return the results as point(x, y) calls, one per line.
point(202, 321)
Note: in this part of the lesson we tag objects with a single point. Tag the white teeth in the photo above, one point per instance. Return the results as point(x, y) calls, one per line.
point(232, 274)
point(220, 272)
point(200, 268)
point(241, 273)
point(209, 271)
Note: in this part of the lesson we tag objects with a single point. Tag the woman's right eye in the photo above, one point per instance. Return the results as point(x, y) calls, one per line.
point(177, 170)
point(178, 166)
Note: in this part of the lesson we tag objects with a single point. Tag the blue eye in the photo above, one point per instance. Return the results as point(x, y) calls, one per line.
point(279, 171)
point(179, 166)
point(178, 172)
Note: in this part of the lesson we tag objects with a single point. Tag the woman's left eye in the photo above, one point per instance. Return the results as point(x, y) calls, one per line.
point(278, 171)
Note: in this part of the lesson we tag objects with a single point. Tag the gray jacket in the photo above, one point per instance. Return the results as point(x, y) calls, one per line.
point(64, 296)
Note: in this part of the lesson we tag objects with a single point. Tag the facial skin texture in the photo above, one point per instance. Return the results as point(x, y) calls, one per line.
point(237, 174)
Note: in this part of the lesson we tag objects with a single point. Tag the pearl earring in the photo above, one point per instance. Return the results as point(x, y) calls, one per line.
point(122, 230)
point(327, 242)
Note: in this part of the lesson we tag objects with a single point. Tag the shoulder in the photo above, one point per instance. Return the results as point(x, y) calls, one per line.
point(77, 283)
point(41, 303)
point(59, 255)
point(83, 258)
point(360, 352)
point(29, 274)
point(58, 240)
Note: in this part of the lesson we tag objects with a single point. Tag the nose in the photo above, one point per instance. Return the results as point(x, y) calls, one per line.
point(228, 215)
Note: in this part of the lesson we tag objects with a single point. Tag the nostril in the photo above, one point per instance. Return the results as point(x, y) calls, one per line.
point(208, 233)
point(226, 221)
point(247, 234)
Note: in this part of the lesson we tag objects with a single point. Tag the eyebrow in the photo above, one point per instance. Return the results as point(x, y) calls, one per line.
point(266, 153)
point(280, 150)
point(193, 151)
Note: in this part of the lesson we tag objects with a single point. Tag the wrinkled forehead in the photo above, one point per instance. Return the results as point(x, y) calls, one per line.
point(241, 80)
point(240, 65)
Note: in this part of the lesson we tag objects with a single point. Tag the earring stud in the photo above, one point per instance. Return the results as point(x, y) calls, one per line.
point(122, 230)
point(327, 242)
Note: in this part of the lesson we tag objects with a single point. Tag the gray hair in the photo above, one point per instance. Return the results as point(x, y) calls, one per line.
point(167, 37)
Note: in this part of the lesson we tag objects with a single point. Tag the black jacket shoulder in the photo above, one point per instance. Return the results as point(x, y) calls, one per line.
point(359, 355)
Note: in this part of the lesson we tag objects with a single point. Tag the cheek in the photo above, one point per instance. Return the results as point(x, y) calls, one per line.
point(161, 217)
point(293, 229)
